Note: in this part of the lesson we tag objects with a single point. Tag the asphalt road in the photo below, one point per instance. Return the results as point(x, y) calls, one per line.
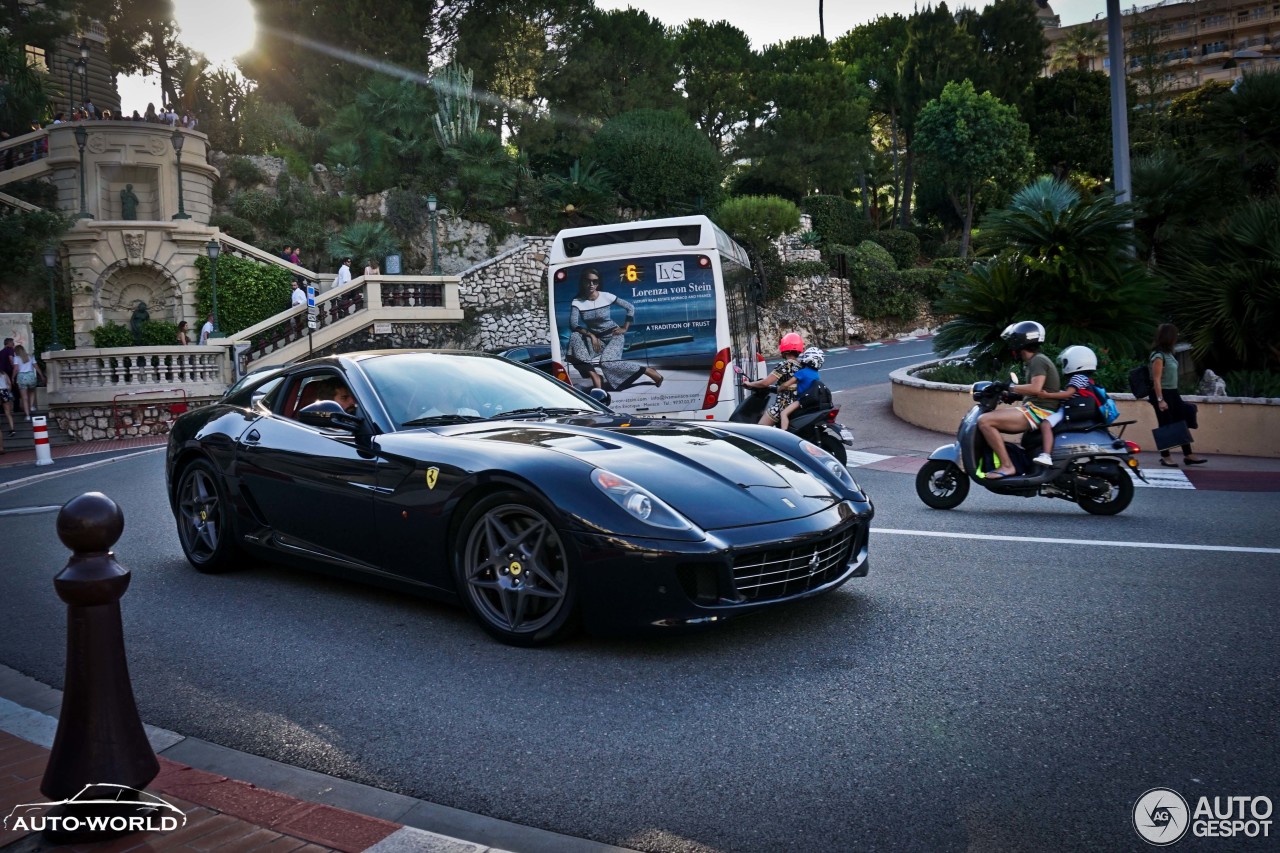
point(977, 691)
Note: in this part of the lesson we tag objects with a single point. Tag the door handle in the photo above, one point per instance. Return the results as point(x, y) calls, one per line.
point(253, 437)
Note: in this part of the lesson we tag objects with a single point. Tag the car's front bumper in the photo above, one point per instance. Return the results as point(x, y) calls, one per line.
point(631, 584)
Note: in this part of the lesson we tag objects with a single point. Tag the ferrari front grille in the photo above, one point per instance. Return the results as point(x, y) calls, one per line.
point(784, 572)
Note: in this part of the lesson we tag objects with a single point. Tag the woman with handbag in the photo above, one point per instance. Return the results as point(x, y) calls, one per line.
point(25, 374)
point(1165, 399)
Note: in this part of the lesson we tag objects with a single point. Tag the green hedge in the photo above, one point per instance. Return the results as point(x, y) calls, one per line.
point(804, 269)
point(112, 335)
point(924, 282)
point(241, 229)
point(903, 245)
point(837, 219)
point(878, 290)
point(248, 292)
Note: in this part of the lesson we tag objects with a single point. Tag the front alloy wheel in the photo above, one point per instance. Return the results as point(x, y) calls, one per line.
point(203, 516)
point(515, 573)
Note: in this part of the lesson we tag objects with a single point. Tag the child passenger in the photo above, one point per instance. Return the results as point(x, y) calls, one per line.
point(1078, 364)
point(783, 374)
point(811, 361)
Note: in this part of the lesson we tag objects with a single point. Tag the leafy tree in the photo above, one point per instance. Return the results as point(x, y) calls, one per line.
point(1191, 126)
point(716, 65)
point(1011, 46)
point(612, 63)
point(22, 89)
point(142, 39)
point(23, 238)
point(836, 219)
point(585, 194)
point(1176, 196)
point(972, 142)
point(812, 133)
point(1069, 115)
point(756, 221)
point(484, 176)
point(1063, 260)
point(1248, 126)
point(386, 136)
point(248, 292)
point(1145, 50)
point(1224, 289)
point(662, 163)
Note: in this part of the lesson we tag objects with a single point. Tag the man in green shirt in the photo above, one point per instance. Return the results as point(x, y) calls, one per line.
point(1024, 340)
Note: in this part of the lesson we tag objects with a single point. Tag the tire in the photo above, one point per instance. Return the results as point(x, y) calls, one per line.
point(834, 446)
point(941, 484)
point(515, 573)
point(1120, 497)
point(203, 514)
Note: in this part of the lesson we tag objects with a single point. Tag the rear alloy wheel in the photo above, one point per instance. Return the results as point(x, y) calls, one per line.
point(941, 484)
point(204, 519)
point(515, 573)
point(1117, 498)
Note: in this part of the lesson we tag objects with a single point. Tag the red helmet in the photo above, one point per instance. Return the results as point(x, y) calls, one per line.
point(791, 342)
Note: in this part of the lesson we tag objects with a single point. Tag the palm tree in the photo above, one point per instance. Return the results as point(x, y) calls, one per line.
point(1078, 48)
point(1065, 261)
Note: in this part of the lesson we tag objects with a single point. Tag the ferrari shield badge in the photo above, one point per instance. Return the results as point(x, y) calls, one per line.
point(433, 474)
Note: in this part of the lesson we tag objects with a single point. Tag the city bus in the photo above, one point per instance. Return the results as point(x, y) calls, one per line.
point(661, 314)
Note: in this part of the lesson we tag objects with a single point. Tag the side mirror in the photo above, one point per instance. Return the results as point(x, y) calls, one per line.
point(327, 414)
point(600, 396)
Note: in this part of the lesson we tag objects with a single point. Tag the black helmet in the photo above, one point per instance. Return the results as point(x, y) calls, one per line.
point(1022, 334)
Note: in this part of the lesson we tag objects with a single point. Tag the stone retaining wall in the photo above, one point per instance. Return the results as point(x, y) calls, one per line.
point(1231, 426)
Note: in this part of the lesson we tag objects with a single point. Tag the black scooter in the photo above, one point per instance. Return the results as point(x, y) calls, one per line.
point(816, 425)
point(1090, 465)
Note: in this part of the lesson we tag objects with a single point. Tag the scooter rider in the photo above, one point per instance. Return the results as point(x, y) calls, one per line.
point(1024, 340)
point(783, 375)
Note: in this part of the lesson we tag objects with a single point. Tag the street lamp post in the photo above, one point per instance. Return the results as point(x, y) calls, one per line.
point(83, 68)
point(435, 243)
point(214, 248)
point(177, 139)
point(81, 136)
point(50, 261)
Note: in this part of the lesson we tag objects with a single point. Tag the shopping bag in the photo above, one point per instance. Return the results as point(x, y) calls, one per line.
point(1175, 434)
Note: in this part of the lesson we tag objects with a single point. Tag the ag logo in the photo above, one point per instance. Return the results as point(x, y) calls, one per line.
point(433, 474)
point(1161, 817)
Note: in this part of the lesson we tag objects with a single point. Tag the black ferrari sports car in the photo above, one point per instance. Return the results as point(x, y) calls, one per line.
point(469, 477)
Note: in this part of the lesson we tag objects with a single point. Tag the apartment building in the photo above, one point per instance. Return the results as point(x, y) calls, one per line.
point(1194, 40)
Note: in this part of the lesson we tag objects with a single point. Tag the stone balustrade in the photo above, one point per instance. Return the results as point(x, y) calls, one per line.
point(88, 376)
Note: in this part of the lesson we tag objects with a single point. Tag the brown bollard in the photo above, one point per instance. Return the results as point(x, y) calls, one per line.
point(101, 750)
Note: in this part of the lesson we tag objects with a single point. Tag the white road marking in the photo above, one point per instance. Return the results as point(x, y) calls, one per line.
point(857, 457)
point(992, 537)
point(58, 472)
point(29, 510)
point(918, 355)
point(1163, 479)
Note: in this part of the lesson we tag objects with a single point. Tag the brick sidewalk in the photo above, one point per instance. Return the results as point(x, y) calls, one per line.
point(14, 458)
point(223, 814)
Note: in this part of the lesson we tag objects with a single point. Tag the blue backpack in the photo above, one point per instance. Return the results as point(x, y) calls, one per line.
point(1106, 406)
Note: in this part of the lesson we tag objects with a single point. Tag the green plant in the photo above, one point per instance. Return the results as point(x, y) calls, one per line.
point(363, 241)
point(241, 229)
point(661, 162)
point(958, 372)
point(757, 220)
point(1252, 383)
point(877, 289)
point(248, 291)
point(837, 219)
point(157, 333)
point(294, 160)
point(256, 205)
point(112, 335)
point(405, 210)
point(951, 264)
point(810, 238)
point(925, 282)
point(42, 328)
point(902, 245)
point(244, 171)
point(805, 269)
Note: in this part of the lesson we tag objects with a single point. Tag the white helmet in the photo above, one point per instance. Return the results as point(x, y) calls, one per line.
point(813, 357)
point(1077, 359)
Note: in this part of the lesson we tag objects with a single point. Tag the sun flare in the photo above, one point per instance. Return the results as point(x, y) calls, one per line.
point(221, 31)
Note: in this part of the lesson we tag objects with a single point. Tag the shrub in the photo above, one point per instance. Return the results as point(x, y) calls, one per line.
point(241, 229)
point(875, 251)
point(404, 211)
point(805, 269)
point(949, 249)
point(877, 289)
point(245, 172)
point(924, 282)
point(961, 372)
point(757, 220)
point(157, 333)
point(112, 335)
point(660, 160)
point(951, 264)
point(837, 219)
point(248, 292)
point(294, 160)
point(254, 205)
point(902, 245)
point(1252, 383)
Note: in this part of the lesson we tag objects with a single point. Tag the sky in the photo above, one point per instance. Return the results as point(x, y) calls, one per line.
point(222, 29)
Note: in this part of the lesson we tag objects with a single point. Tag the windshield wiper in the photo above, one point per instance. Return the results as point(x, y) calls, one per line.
point(438, 420)
point(541, 412)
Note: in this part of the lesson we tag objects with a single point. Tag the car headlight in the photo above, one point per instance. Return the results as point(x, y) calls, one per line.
point(638, 502)
point(832, 464)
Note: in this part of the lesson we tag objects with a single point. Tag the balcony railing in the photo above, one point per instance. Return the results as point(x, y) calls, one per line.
point(91, 376)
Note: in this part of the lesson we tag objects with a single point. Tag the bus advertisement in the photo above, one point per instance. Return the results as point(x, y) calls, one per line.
point(660, 313)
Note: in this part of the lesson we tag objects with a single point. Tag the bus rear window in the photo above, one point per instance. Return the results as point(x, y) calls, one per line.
point(688, 235)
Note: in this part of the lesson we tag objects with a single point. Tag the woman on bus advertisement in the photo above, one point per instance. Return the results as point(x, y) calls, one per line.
point(596, 341)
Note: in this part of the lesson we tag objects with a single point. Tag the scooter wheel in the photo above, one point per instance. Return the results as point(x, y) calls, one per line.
point(835, 447)
point(941, 484)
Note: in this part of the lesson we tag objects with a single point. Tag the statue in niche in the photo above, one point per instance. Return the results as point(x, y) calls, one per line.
point(140, 316)
point(128, 203)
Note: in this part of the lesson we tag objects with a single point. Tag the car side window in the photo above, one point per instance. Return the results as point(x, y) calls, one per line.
point(314, 388)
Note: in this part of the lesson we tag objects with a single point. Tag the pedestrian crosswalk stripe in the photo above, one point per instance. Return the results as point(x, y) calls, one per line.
point(1163, 479)
point(858, 458)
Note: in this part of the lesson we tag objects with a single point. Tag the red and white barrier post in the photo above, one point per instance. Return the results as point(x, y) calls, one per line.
point(40, 428)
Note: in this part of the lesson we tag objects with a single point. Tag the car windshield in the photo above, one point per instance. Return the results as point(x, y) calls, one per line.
point(436, 388)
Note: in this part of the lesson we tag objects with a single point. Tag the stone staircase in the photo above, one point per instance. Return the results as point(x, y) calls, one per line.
point(23, 437)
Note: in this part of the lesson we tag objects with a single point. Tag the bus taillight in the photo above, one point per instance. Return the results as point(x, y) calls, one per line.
point(717, 378)
point(558, 371)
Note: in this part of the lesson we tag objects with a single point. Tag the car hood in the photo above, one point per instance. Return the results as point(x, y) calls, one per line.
point(714, 477)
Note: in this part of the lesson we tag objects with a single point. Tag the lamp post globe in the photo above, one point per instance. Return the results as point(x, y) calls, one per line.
point(51, 261)
point(214, 248)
